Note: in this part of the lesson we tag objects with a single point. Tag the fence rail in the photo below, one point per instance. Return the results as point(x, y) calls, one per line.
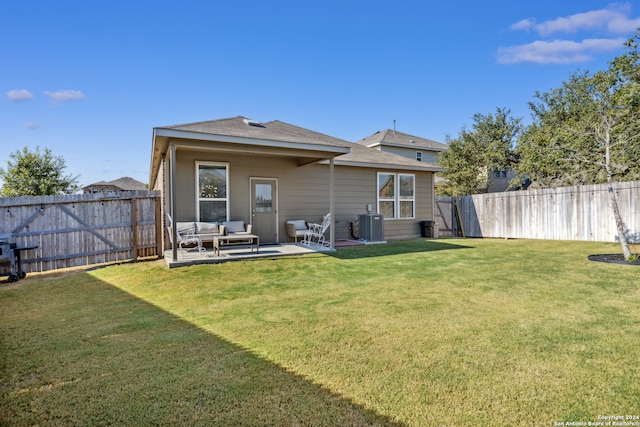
point(564, 213)
point(82, 229)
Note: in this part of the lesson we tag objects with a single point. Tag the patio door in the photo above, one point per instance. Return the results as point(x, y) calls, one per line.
point(264, 208)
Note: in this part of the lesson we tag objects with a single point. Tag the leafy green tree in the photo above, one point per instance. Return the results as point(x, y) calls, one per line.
point(471, 157)
point(35, 173)
point(587, 131)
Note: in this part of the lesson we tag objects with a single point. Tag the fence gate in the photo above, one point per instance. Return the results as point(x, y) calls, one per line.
point(82, 229)
point(445, 216)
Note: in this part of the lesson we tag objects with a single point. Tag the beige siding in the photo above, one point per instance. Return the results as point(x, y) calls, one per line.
point(303, 191)
point(427, 156)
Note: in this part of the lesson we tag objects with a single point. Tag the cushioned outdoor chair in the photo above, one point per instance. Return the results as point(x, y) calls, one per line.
point(315, 234)
point(296, 229)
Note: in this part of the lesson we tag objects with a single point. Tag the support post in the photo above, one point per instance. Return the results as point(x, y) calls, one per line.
point(332, 195)
point(173, 207)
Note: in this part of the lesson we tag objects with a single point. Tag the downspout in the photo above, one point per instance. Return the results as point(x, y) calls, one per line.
point(173, 207)
point(332, 226)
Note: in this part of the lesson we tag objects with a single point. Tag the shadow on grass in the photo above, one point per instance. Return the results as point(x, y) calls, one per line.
point(396, 248)
point(78, 351)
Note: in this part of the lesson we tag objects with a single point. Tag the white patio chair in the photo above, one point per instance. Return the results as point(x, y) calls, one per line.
point(186, 234)
point(315, 234)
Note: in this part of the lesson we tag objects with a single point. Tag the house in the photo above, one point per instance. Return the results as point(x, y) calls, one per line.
point(414, 147)
point(117, 186)
point(268, 173)
point(403, 144)
point(426, 150)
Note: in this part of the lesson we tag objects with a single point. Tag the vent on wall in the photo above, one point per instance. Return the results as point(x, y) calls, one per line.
point(371, 227)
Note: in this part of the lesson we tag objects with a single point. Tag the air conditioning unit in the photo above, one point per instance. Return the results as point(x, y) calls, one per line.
point(371, 227)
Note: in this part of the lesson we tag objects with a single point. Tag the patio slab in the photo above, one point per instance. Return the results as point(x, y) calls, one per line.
point(191, 256)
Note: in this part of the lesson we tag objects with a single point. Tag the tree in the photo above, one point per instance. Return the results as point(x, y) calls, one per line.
point(36, 174)
point(587, 131)
point(474, 154)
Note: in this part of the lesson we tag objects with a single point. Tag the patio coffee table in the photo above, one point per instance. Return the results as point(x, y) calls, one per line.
point(236, 239)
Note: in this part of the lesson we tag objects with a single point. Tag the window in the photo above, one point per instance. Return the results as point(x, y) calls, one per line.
point(396, 195)
point(500, 173)
point(212, 185)
point(419, 156)
point(264, 198)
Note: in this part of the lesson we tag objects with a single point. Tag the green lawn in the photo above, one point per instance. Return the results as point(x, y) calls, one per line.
point(441, 332)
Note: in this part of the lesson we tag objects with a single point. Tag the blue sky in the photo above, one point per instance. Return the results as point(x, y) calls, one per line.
point(90, 80)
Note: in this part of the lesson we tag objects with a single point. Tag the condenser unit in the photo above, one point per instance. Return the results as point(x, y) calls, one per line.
point(371, 227)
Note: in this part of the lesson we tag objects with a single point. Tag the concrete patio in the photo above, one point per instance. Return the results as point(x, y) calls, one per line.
point(191, 256)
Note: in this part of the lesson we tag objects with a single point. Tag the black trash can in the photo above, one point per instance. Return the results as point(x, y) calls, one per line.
point(426, 228)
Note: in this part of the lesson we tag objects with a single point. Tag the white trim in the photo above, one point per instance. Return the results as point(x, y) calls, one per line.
point(387, 199)
point(412, 199)
point(396, 195)
point(227, 199)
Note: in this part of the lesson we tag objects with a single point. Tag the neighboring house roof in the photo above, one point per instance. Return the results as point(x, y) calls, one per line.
point(124, 184)
point(362, 156)
point(393, 138)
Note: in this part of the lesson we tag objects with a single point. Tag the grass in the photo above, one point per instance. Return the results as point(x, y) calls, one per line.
point(442, 332)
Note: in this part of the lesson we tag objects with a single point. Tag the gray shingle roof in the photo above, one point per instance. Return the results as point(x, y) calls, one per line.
point(273, 131)
point(125, 184)
point(364, 156)
point(277, 131)
point(390, 137)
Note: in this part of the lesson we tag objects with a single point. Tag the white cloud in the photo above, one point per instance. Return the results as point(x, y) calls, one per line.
point(65, 95)
point(18, 95)
point(525, 24)
point(32, 125)
point(557, 51)
point(614, 19)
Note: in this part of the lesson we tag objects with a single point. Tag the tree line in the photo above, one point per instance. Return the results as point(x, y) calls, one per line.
point(584, 132)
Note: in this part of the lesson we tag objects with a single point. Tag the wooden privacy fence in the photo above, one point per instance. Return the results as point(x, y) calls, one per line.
point(564, 213)
point(82, 229)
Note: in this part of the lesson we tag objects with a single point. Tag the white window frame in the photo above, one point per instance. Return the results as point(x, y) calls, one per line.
point(411, 199)
point(397, 198)
point(200, 199)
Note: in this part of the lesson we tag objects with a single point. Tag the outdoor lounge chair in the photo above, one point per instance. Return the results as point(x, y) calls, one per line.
point(315, 234)
point(296, 229)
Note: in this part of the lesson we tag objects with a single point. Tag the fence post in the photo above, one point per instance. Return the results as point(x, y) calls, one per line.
point(159, 227)
point(134, 227)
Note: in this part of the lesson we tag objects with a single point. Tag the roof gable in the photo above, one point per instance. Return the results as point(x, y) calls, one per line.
point(390, 137)
point(275, 130)
point(363, 156)
point(125, 184)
